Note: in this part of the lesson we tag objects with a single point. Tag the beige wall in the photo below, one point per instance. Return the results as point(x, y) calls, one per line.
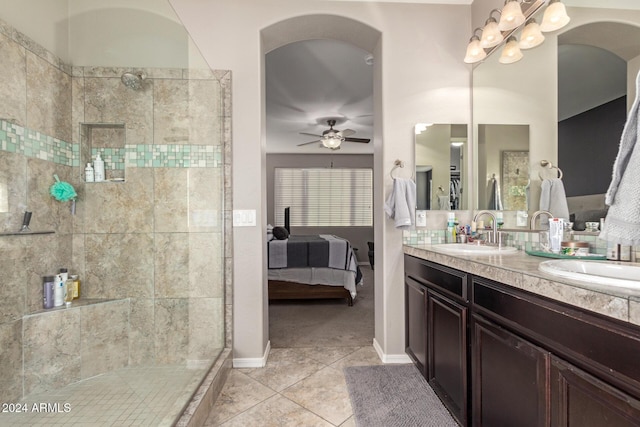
point(418, 76)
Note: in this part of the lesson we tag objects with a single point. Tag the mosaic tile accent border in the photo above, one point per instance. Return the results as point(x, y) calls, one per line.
point(174, 156)
point(20, 140)
point(30, 143)
point(518, 239)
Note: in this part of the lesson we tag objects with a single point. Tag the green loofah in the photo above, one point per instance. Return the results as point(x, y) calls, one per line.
point(62, 191)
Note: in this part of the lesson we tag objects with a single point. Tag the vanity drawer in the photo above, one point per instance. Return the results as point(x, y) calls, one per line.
point(447, 280)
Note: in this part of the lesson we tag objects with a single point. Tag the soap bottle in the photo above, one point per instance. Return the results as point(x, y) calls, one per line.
point(450, 236)
point(59, 292)
point(76, 286)
point(98, 168)
point(89, 174)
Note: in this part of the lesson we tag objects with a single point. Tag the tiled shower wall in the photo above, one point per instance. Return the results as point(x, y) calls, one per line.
point(155, 242)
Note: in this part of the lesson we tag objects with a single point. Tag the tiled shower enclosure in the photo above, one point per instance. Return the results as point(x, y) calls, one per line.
point(148, 244)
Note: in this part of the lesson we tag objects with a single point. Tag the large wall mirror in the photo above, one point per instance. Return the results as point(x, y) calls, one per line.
point(441, 166)
point(572, 94)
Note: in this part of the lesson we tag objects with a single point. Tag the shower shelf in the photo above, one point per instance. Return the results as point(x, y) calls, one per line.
point(25, 233)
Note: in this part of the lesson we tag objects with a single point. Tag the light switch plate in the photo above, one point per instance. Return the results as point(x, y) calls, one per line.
point(244, 218)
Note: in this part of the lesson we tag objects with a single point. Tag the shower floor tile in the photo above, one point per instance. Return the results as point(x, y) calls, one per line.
point(142, 396)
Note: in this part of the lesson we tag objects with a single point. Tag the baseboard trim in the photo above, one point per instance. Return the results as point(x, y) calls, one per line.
point(390, 358)
point(256, 362)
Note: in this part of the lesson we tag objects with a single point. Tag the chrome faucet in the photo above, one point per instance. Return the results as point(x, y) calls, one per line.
point(493, 238)
point(535, 216)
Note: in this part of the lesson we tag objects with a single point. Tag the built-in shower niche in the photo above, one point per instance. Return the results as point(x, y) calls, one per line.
point(108, 139)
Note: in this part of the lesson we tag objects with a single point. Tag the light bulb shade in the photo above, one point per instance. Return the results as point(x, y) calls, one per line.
point(511, 52)
point(332, 141)
point(555, 17)
point(475, 52)
point(511, 16)
point(491, 35)
point(531, 35)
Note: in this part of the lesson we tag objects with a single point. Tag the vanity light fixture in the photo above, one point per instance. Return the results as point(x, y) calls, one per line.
point(531, 35)
point(511, 16)
point(514, 15)
point(511, 52)
point(475, 51)
point(555, 17)
point(491, 34)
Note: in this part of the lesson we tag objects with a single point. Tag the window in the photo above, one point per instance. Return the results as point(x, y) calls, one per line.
point(324, 197)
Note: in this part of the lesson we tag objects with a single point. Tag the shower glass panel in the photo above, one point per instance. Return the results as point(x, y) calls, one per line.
point(148, 242)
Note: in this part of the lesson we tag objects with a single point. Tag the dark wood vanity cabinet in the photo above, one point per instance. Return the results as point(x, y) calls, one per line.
point(416, 323)
point(436, 330)
point(509, 377)
point(500, 356)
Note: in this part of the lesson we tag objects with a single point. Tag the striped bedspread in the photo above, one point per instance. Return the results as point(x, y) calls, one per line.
point(324, 250)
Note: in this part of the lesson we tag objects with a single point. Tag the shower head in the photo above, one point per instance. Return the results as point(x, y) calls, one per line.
point(133, 80)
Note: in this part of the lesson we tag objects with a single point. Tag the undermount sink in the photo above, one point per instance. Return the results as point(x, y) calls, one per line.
point(471, 249)
point(600, 272)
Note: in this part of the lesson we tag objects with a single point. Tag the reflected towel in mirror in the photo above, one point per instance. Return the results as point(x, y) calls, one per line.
point(553, 199)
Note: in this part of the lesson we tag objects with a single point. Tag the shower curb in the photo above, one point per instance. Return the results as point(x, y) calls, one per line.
point(198, 408)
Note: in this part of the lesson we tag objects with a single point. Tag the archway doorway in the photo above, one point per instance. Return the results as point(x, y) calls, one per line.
point(322, 29)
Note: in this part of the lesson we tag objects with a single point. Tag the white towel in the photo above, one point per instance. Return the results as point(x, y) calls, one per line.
point(401, 203)
point(627, 145)
point(622, 224)
point(443, 203)
point(554, 199)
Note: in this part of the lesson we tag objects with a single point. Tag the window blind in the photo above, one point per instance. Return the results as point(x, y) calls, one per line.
point(324, 197)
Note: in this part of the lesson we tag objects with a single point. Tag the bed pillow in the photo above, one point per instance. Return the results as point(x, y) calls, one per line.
point(280, 233)
point(269, 232)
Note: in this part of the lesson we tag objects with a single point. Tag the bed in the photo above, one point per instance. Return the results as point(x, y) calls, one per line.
point(312, 267)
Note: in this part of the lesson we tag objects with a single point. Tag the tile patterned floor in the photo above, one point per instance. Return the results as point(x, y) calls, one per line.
point(297, 387)
point(141, 396)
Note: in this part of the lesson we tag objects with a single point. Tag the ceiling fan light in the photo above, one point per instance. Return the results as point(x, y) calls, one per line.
point(332, 141)
point(511, 52)
point(531, 35)
point(491, 35)
point(511, 16)
point(555, 16)
point(475, 52)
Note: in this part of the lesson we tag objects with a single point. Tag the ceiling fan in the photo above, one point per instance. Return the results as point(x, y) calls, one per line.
point(332, 138)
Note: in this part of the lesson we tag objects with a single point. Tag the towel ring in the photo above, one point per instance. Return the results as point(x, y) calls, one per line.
point(397, 164)
point(548, 164)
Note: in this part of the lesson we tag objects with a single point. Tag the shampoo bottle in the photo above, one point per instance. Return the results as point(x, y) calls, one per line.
point(98, 168)
point(88, 173)
point(450, 236)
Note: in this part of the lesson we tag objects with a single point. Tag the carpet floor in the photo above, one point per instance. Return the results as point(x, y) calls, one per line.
point(394, 396)
point(324, 323)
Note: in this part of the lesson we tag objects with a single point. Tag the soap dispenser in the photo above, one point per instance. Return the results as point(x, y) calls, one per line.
point(98, 168)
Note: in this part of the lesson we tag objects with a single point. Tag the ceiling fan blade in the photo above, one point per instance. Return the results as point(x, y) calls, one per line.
point(363, 140)
point(310, 134)
point(307, 143)
point(347, 132)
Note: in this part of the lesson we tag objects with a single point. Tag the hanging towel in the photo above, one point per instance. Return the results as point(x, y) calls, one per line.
point(627, 145)
point(622, 224)
point(495, 200)
point(553, 199)
point(401, 203)
point(443, 203)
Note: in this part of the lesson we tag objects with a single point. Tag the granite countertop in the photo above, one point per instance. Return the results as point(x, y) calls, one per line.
point(521, 271)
